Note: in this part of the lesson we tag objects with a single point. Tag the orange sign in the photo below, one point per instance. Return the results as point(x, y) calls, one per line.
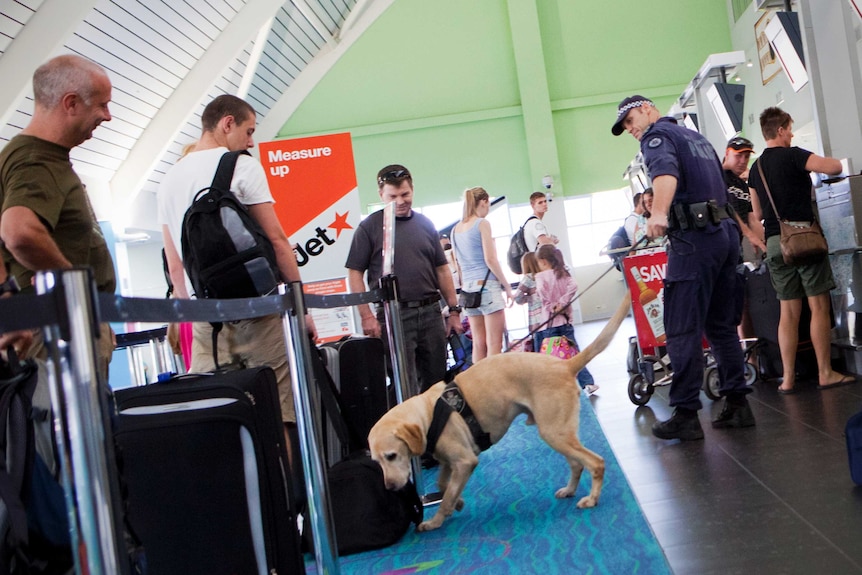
point(313, 182)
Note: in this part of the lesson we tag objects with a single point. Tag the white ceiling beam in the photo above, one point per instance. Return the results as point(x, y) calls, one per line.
point(166, 124)
point(319, 66)
point(41, 38)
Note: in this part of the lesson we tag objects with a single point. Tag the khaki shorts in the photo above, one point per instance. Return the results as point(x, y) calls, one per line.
point(252, 343)
point(796, 282)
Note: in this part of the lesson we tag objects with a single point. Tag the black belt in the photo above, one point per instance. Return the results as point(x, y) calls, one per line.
point(421, 302)
point(698, 215)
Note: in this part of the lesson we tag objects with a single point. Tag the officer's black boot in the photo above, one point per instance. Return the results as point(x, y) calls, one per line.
point(735, 413)
point(683, 425)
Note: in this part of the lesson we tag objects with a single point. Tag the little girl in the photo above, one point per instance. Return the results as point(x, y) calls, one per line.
point(556, 288)
point(526, 294)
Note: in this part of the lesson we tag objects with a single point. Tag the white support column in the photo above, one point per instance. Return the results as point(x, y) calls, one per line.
point(832, 63)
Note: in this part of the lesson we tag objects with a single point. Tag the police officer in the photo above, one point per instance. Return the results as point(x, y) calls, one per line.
point(702, 290)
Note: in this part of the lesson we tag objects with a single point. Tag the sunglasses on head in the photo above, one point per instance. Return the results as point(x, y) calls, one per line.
point(393, 175)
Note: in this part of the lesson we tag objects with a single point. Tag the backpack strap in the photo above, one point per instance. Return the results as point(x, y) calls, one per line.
point(226, 166)
point(221, 181)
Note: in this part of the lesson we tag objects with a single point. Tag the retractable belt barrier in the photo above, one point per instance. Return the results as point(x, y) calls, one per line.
point(69, 310)
point(26, 311)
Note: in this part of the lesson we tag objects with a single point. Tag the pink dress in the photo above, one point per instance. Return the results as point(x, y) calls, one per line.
point(553, 291)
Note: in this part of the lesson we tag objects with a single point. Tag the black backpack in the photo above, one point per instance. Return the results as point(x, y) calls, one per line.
point(34, 525)
point(226, 254)
point(517, 249)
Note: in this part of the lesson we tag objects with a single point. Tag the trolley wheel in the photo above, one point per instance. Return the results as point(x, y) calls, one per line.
point(750, 374)
point(712, 383)
point(639, 390)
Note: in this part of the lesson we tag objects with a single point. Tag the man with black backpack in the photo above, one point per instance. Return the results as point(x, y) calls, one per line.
point(228, 125)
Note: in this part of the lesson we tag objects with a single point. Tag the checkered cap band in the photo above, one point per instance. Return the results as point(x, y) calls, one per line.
point(636, 104)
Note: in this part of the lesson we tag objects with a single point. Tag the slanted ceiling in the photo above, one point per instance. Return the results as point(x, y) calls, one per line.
point(166, 60)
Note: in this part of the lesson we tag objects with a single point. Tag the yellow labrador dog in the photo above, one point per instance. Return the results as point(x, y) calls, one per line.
point(497, 390)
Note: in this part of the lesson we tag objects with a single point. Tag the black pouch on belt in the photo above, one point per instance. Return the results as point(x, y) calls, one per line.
point(700, 214)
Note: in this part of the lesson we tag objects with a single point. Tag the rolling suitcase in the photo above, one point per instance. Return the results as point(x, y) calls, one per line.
point(205, 467)
point(357, 365)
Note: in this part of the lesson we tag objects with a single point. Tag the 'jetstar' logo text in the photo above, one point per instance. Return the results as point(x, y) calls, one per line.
point(315, 245)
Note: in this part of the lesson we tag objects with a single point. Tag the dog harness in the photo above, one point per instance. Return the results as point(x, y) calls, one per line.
point(451, 401)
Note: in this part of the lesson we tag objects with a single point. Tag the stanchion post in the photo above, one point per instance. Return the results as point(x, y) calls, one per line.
point(405, 388)
point(79, 424)
point(301, 373)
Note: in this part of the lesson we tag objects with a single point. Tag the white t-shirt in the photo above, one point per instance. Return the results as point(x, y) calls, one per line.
point(532, 230)
point(194, 173)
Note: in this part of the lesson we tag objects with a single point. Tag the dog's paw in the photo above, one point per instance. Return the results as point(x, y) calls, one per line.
point(429, 525)
point(564, 492)
point(588, 501)
point(459, 505)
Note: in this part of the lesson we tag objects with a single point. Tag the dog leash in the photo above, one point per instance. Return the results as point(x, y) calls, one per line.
point(541, 326)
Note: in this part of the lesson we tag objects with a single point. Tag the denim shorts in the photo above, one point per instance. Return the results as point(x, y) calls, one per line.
point(492, 297)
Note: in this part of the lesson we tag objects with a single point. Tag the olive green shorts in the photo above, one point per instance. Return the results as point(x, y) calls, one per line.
point(796, 282)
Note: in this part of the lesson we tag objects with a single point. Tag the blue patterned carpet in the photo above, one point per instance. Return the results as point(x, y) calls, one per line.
point(512, 524)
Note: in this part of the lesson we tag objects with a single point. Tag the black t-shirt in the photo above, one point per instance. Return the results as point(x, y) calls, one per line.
point(789, 183)
point(738, 194)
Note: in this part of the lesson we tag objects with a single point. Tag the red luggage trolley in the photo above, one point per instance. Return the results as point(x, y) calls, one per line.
point(644, 271)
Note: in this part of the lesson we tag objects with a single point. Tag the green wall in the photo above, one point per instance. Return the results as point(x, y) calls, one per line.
point(434, 85)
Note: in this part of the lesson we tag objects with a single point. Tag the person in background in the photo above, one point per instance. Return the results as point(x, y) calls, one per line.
point(535, 232)
point(228, 124)
point(701, 286)
point(787, 171)
point(479, 269)
point(556, 288)
point(735, 165)
point(424, 277)
point(47, 221)
point(446, 244)
point(641, 224)
point(526, 294)
point(632, 219)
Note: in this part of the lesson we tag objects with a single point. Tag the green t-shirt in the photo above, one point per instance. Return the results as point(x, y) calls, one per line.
point(38, 174)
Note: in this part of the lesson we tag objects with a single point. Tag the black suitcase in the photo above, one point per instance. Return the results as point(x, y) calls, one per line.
point(765, 312)
point(357, 365)
point(205, 467)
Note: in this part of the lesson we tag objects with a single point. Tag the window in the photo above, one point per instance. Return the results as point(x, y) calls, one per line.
point(591, 220)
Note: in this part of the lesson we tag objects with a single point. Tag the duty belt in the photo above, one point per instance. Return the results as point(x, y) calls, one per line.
point(696, 216)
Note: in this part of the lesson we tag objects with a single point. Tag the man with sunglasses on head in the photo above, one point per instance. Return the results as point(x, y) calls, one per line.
point(423, 277)
point(701, 289)
point(735, 164)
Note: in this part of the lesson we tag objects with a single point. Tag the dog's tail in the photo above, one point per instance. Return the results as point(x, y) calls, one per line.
point(578, 362)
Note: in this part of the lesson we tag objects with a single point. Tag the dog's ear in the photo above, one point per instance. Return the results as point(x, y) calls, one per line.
point(412, 435)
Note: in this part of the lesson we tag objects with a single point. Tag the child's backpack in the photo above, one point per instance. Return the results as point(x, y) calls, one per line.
point(34, 525)
point(226, 254)
point(517, 249)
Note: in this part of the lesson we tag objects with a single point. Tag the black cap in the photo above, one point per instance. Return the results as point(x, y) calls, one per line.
point(623, 110)
point(740, 144)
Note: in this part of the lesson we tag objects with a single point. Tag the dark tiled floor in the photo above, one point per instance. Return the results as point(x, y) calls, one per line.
point(775, 498)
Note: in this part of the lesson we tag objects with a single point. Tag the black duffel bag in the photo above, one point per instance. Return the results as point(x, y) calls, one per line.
point(367, 515)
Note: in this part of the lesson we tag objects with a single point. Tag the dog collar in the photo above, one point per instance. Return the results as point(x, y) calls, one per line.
point(452, 400)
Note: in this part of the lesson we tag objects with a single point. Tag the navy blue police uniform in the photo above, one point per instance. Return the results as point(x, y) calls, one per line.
point(702, 293)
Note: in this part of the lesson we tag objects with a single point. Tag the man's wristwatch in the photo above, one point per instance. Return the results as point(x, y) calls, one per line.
point(455, 309)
